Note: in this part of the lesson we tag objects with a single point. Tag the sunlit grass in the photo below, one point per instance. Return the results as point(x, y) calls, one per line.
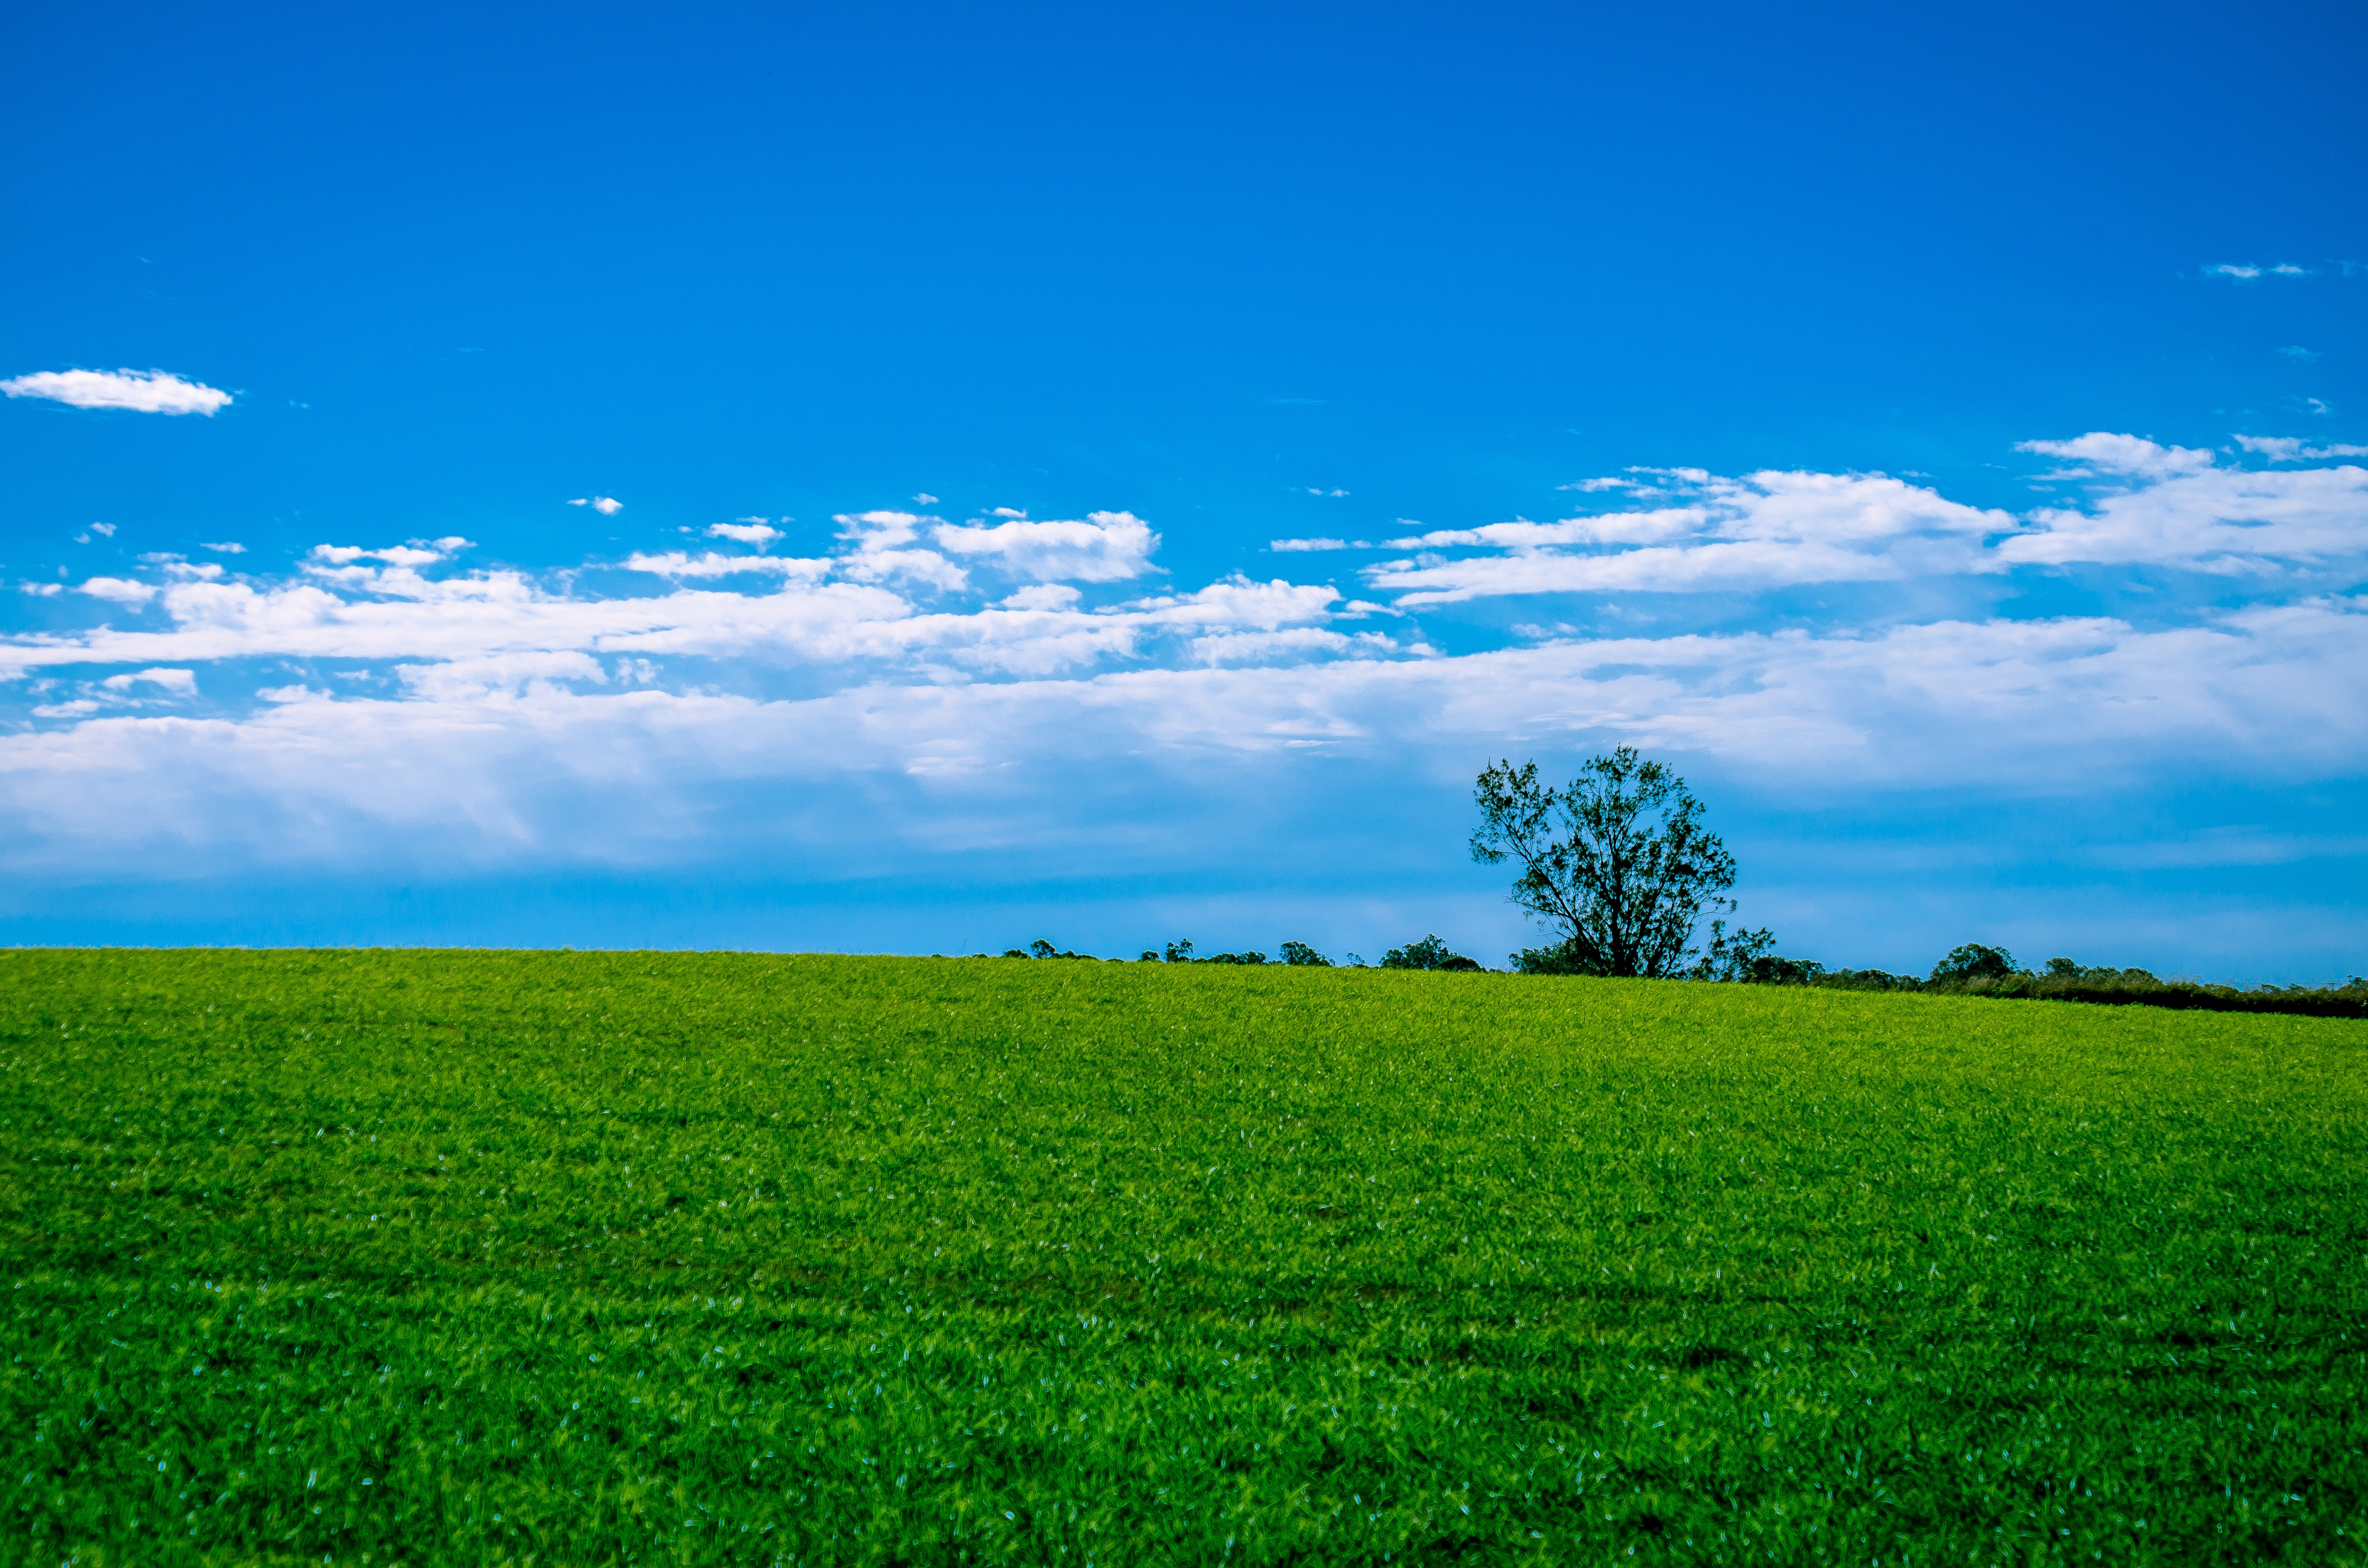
point(471, 1258)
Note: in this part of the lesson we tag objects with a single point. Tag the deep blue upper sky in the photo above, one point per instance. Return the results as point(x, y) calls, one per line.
point(1207, 266)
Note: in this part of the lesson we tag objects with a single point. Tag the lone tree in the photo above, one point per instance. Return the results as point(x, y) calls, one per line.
point(1618, 865)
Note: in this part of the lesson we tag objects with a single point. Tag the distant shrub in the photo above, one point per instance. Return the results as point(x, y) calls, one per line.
point(2128, 987)
point(1181, 952)
point(1974, 970)
point(1560, 958)
point(1865, 979)
point(1429, 953)
point(1973, 962)
point(1040, 948)
point(1300, 955)
point(1771, 971)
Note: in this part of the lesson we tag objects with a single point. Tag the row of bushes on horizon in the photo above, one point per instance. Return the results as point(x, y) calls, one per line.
point(1429, 953)
point(1970, 969)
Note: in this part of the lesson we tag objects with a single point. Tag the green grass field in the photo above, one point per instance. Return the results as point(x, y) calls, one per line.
point(431, 1257)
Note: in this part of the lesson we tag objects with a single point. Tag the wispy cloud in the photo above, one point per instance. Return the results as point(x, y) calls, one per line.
point(1288, 546)
point(142, 392)
point(226, 548)
point(2292, 448)
point(2245, 271)
point(607, 505)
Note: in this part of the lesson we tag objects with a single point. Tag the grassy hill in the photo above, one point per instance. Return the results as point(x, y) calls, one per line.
point(433, 1258)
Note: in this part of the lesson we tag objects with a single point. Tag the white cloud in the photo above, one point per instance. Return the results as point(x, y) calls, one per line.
point(2296, 351)
point(607, 505)
point(501, 765)
point(2153, 503)
point(106, 529)
point(1764, 531)
point(2104, 452)
point(754, 531)
point(498, 674)
point(121, 590)
point(1318, 490)
point(226, 548)
point(182, 683)
point(1607, 482)
point(142, 391)
point(1043, 595)
point(1288, 545)
point(534, 717)
point(678, 564)
point(924, 498)
point(1104, 547)
point(2222, 521)
point(2290, 448)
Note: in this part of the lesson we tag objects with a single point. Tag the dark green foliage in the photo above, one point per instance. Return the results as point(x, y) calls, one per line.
point(1764, 970)
point(1865, 979)
point(1560, 958)
point(1040, 948)
point(1971, 961)
point(2135, 986)
point(1618, 864)
point(1304, 956)
point(1181, 952)
point(1429, 953)
point(2065, 981)
point(467, 1258)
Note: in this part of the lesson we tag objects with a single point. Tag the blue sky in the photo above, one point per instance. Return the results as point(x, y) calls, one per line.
point(921, 478)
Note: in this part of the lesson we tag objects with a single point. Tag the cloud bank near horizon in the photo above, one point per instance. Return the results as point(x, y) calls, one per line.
point(391, 704)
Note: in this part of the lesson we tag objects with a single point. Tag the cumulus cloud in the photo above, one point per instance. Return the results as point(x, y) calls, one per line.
point(2186, 510)
point(2102, 452)
point(1104, 547)
point(119, 590)
point(747, 530)
point(142, 392)
point(607, 505)
point(1764, 531)
point(226, 548)
point(2150, 502)
point(680, 563)
point(181, 683)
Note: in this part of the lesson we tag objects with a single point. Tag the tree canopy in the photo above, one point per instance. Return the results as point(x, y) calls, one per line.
point(1618, 865)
